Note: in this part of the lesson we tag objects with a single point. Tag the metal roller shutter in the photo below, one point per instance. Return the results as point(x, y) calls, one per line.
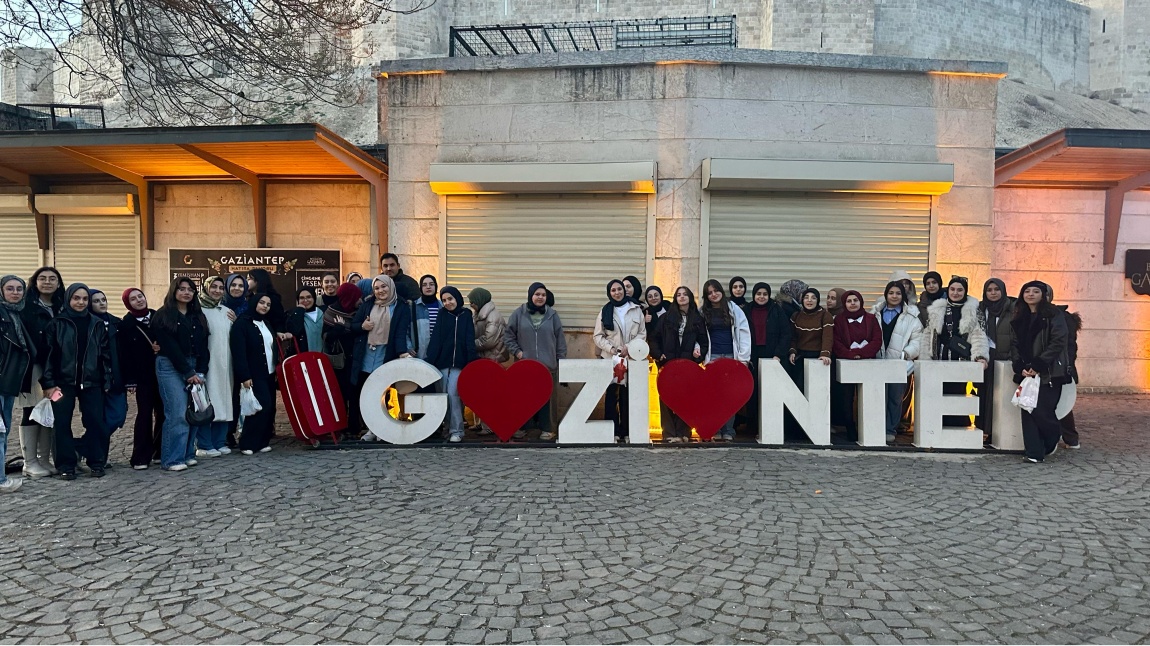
point(19, 246)
point(103, 252)
point(848, 240)
point(573, 244)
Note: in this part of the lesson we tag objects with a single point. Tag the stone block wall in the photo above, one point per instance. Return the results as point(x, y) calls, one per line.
point(840, 26)
point(1056, 236)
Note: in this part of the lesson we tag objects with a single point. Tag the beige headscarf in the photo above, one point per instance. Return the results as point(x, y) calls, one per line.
point(381, 313)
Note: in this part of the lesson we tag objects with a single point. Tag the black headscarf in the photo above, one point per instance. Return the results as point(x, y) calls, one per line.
point(607, 315)
point(72, 289)
point(251, 310)
point(105, 317)
point(755, 304)
point(428, 300)
point(741, 300)
point(803, 297)
point(663, 306)
point(994, 307)
point(965, 289)
point(460, 304)
point(531, 292)
point(636, 291)
point(314, 298)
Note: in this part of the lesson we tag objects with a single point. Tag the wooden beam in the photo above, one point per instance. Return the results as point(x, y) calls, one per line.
point(147, 215)
point(260, 211)
point(103, 166)
point(1010, 169)
point(1115, 199)
point(257, 182)
point(15, 176)
point(41, 230)
point(245, 175)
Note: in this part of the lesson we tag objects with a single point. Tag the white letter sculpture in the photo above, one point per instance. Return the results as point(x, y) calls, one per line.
point(1006, 429)
point(872, 375)
point(813, 410)
point(595, 375)
point(930, 405)
point(374, 409)
point(638, 393)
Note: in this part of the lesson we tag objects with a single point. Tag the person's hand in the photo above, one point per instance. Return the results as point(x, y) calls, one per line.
point(405, 355)
point(50, 392)
point(284, 336)
point(156, 348)
point(232, 316)
point(1029, 373)
point(826, 360)
point(696, 353)
point(368, 324)
point(623, 353)
point(647, 318)
point(778, 360)
point(519, 355)
point(195, 380)
point(792, 359)
point(983, 362)
point(131, 390)
point(247, 384)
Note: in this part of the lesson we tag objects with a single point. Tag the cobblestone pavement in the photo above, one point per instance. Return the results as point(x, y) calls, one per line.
point(637, 545)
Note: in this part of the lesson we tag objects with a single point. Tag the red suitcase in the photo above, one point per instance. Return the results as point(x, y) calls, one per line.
point(312, 397)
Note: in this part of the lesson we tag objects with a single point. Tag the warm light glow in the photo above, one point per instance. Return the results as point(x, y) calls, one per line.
point(687, 63)
point(419, 73)
point(976, 74)
point(472, 188)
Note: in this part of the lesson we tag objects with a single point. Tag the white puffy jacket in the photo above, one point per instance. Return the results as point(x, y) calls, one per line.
point(905, 339)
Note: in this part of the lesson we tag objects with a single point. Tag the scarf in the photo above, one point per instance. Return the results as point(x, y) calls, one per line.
point(855, 322)
point(327, 300)
point(793, 289)
point(607, 314)
point(531, 309)
point(353, 278)
point(994, 307)
point(479, 297)
point(237, 304)
point(206, 301)
point(105, 317)
point(741, 301)
point(364, 285)
point(72, 289)
point(380, 313)
point(840, 294)
point(314, 298)
point(348, 295)
point(459, 306)
point(126, 297)
point(429, 299)
point(802, 297)
point(930, 298)
point(18, 306)
point(251, 308)
point(636, 290)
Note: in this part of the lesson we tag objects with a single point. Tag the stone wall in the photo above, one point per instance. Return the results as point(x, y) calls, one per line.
point(840, 26)
point(1120, 52)
point(26, 75)
point(1056, 236)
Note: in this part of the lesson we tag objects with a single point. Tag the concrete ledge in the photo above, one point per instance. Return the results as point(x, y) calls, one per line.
point(698, 55)
point(606, 177)
point(93, 204)
point(906, 178)
point(16, 205)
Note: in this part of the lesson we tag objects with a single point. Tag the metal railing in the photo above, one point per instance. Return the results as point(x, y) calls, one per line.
point(509, 40)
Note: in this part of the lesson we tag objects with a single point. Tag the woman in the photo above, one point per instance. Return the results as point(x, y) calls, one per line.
point(857, 335)
point(729, 336)
point(901, 340)
point(381, 330)
point(305, 322)
point(996, 311)
point(339, 342)
point(16, 354)
point(260, 282)
point(255, 355)
point(237, 298)
point(791, 297)
point(812, 335)
point(116, 399)
point(681, 333)
point(534, 331)
point(43, 301)
point(619, 322)
point(954, 333)
point(489, 330)
point(425, 312)
point(737, 287)
point(329, 285)
point(138, 365)
point(1040, 349)
point(353, 278)
point(78, 370)
point(656, 307)
point(770, 336)
point(452, 347)
point(181, 330)
point(211, 439)
point(633, 290)
point(835, 300)
point(931, 292)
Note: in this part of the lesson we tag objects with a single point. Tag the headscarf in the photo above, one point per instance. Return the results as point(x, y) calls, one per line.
point(314, 298)
point(550, 298)
point(237, 304)
point(72, 289)
point(843, 302)
point(460, 305)
point(531, 309)
point(348, 294)
point(994, 307)
point(105, 317)
point(364, 285)
point(18, 306)
point(206, 301)
point(636, 290)
point(380, 313)
point(741, 300)
point(759, 286)
point(965, 289)
point(840, 293)
point(353, 278)
point(937, 295)
point(251, 307)
point(818, 297)
point(607, 314)
point(479, 297)
point(127, 298)
point(663, 305)
point(428, 300)
point(793, 289)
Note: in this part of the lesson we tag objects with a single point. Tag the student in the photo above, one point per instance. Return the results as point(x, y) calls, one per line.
point(619, 322)
point(43, 301)
point(1070, 437)
point(790, 297)
point(181, 331)
point(339, 345)
point(812, 333)
point(260, 282)
point(857, 335)
point(425, 312)
point(381, 332)
point(353, 278)
point(729, 336)
point(255, 355)
point(931, 292)
point(901, 339)
point(534, 331)
point(656, 306)
point(78, 371)
point(138, 367)
point(405, 286)
point(305, 321)
point(996, 313)
point(452, 347)
point(237, 297)
point(489, 330)
point(116, 399)
point(329, 285)
point(1040, 349)
point(954, 333)
point(16, 354)
point(835, 300)
point(211, 439)
point(737, 288)
point(633, 290)
point(681, 333)
point(770, 337)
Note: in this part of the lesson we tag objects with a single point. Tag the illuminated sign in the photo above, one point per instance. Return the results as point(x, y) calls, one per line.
point(1138, 270)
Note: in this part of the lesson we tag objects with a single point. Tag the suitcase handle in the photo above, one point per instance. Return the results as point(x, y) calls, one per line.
point(284, 355)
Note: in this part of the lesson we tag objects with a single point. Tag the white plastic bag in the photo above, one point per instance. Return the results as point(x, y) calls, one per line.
point(249, 405)
point(619, 370)
point(42, 413)
point(200, 397)
point(1026, 396)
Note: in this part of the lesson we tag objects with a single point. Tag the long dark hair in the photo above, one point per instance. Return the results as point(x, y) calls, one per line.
point(32, 294)
point(692, 306)
point(1045, 308)
point(263, 281)
point(724, 311)
point(168, 316)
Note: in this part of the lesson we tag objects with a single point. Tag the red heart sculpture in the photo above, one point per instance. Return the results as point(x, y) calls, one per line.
point(505, 399)
point(705, 396)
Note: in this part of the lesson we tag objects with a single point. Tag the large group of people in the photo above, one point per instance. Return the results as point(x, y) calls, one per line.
point(59, 344)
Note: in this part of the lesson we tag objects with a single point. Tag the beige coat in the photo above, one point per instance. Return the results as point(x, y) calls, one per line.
point(611, 342)
point(489, 329)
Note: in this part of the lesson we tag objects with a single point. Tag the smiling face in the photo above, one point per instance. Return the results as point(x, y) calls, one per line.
point(762, 296)
point(216, 290)
point(1032, 295)
point(99, 303)
point(449, 302)
point(653, 298)
point(330, 285)
point(237, 289)
point(381, 290)
point(617, 292)
point(138, 301)
point(956, 292)
point(13, 291)
point(79, 301)
point(305, 300)
point(894, 297)
point(810, 301)
point(539, 298)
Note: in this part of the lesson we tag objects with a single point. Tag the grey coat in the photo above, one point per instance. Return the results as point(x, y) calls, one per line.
point(545, 345)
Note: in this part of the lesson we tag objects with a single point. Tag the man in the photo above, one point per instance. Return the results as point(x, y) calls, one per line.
point(405, 285)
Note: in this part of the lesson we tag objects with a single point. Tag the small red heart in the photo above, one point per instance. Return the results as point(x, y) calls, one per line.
point(705, 396)
point(505, 399)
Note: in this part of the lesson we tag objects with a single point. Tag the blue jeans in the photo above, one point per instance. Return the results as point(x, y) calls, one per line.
point(450, 384)
point(894, 394)
point(6, 404)
point(728, 430)
point(178, 444)
point(212, 437)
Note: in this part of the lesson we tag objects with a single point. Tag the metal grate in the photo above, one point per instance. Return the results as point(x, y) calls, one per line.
point(64, 116)
point(509, 40)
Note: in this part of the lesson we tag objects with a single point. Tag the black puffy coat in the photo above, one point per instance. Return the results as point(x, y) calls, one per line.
point(452, 342)
point(17, 353)
point(1040, 344)
point(63, 365)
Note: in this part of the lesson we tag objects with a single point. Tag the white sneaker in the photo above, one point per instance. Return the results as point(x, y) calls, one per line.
point(209, 453)
point(193, 462)
point(455, 438)
point(546, 437)
point(1072, 447)
point(367, 437)
point(519, 435)
point(223, 450)
point(10, 485)
point(177, 467)
point(266, 449)
point(140, 467)
point(248, 452)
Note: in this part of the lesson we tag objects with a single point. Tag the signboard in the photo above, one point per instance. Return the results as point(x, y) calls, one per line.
point(1138, 270)
point(290, 269)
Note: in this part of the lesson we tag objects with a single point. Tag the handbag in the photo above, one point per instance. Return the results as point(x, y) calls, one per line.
point(335, 353)
point(200, 411)
point(958, 346)
point(335, 318)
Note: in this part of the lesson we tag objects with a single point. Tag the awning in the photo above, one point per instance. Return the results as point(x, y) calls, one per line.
point(591, 177)
point(903, 178)
point(143, 157)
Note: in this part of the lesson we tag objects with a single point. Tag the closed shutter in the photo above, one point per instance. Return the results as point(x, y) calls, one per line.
point(103, 252)
point(848, 240)
point(19, 246)
point(573, 244)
